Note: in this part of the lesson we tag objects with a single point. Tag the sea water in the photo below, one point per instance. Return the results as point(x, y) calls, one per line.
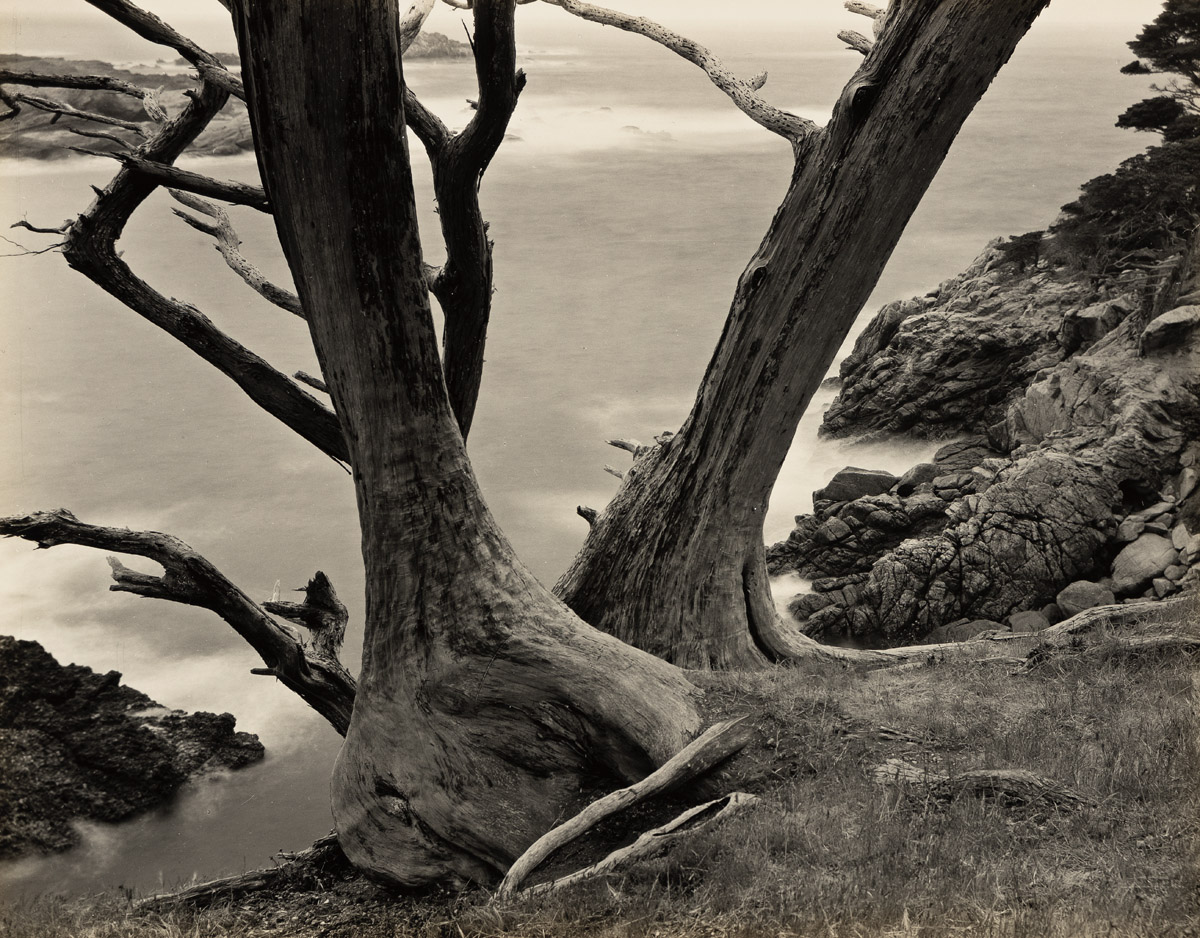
point(623, 207)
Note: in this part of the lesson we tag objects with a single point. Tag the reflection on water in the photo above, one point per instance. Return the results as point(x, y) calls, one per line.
point(622, 217)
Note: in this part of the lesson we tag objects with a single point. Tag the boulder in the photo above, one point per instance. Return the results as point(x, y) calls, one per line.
point(1129, 530)
point(1140, 562)
point(1172, 330)
point(963, 629)
point(1030, 621)
point(1083, 327)
point(851, 483)
point(918, 475)
point(1081, 595)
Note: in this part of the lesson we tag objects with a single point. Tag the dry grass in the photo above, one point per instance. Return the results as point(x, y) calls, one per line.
point(830, 851)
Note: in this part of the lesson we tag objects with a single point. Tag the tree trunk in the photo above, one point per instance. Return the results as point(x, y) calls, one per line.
point(675, 563)
point(485, 709)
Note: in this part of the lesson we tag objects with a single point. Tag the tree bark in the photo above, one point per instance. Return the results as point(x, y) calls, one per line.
point(675, 563)
point(485, 709)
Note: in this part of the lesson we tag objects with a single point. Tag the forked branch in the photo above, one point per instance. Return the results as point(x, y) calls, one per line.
point(797, 130)
point(229, 245)
point(712, 747)
point(188, 578)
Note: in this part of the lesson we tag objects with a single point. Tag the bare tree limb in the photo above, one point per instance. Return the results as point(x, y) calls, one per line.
point(227, 190)
point(91, 249)
point(61, 229)
point(101, 135)
point(305, 378)
point(744, 94)
point(1008, 786)
point(229, 247)
point(877, 14)
point(221, 77)
point(190, 579)
point(62, 109)
point(322, 613)
point(856, 41)
point(80, 82)
point(655, 842)
point(714, 745)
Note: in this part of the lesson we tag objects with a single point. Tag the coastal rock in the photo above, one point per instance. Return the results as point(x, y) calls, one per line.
point(1029, 621)
point(1084, 327)
point(964, 630)
point(1081, 595)
point(1170, 330)
point(79, 745)
point(852, 482)
point(950, 364)
point(1140, 562)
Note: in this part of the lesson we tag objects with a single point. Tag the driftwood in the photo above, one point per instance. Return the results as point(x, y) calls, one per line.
point(323, 852)
point(1008, 786)
point(654, 842)
point(713, 746)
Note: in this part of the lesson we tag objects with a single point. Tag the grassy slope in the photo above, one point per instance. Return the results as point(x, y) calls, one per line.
point(832, 852)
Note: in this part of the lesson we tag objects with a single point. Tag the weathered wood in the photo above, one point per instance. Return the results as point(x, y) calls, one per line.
point(712, 747)
point(796, 130)
point(190, 579)
point(322, 853)
point(322, 613)
point(655, 842)
point(229, 246)
point(1008, 786)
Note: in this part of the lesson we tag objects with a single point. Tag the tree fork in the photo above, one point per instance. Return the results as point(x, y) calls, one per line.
point(485, 709)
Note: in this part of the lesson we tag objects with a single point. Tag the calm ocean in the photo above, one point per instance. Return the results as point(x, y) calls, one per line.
point(623, 210)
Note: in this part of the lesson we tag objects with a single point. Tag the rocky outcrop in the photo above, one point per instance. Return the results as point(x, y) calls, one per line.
point(76, 745)
point(950, 362)
point(1083, 488)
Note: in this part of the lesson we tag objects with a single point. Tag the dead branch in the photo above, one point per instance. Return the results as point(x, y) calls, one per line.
point(412, 20)
point(614, 471)
point(1007, 786)
point(877, 14)
point(630, 446)
point(305, 378)
point(91, 249)
point(62, 109)
point(227, 190)
point(229, 247)
point(744, 94)
point(322, 613)
point(101, 135)
point(714, 746)
point(192, 580)
point(23, 223)
point(856, 41)
point(655, 842)
point(78, 82)
point(324, 853)
point(587, 514)
point(221, 77)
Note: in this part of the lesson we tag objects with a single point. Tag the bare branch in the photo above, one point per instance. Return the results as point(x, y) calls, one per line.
point(91, 249)
point(412, 20)
point(655, 842)
point(714, 745)
point(1008, 786)
point(227, 190)
point(61, 229)
point(630, 446)
point(877, 14)
point(614, 471)
point(743, 93)
point(101, 135)
point(322, 613)
point(218, 75)
point(62, 109)
point(856, 41)
point(433, 134)
point(229, 246)
point(190, 579)
point(305, 378)
point(587, 514)
point(80, 82)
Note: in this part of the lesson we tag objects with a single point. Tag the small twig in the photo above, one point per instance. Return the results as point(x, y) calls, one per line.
point(305, 378)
